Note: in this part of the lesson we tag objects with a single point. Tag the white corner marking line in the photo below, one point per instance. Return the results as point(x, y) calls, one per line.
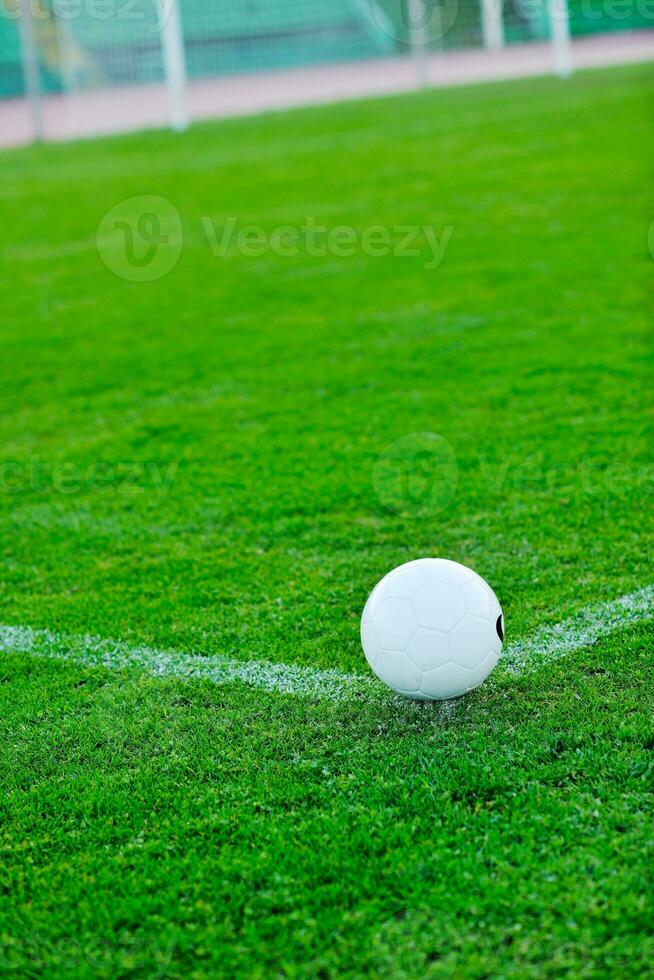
point(546, 645)
point(93, 651)
point(581, 630)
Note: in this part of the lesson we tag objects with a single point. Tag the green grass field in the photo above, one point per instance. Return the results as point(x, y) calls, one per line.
point(188, 464)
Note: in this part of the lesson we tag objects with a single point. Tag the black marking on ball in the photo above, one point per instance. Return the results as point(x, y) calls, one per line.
point(499, 626)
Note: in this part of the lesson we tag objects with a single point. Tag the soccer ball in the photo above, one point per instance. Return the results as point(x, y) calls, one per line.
point(432, 629)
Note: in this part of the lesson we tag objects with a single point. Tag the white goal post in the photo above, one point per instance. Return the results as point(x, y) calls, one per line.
point(174, 62)
point(492, 24)
point(559, 21)
point(30, 66)
point(153, 45)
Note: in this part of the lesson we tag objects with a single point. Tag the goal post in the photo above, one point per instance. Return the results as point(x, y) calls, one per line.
point(172, 42)
point(559, 20)
point(70, 49)
point(418, 34)
point(30, 66)
point(492, 24)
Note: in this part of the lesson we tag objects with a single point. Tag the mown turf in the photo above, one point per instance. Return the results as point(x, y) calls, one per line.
point(156, 828)
point(149, 826)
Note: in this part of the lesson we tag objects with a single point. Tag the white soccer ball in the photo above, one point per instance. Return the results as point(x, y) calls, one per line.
point(432, 629)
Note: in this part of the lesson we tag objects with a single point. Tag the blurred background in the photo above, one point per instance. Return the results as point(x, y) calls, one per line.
point(71, 68)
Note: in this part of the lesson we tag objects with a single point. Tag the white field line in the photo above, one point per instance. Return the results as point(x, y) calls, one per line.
point(582, 630)
point(546, 645)
point(92, 651)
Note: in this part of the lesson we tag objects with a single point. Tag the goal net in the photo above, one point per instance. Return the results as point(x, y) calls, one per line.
point(74, 47)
